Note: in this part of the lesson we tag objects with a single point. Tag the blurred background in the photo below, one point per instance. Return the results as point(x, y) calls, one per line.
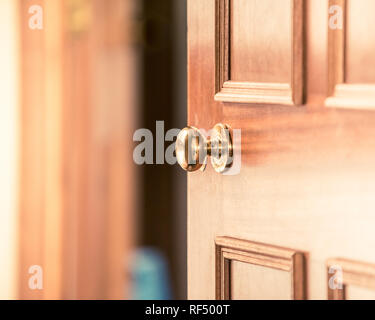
point(74, 88)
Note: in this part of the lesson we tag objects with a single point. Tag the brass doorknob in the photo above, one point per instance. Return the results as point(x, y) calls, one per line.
point(193, 148)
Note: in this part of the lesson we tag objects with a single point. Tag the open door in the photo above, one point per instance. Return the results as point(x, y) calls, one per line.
point(297, 78)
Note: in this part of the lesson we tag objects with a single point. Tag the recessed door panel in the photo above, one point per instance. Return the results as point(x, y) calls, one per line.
point(351, 62)
point(252, 270)
point(252, 282)
point(360, 58)
point(259, 51)
point(260, 41)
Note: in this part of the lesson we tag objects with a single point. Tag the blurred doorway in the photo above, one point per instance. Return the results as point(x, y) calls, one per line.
point(164, 86)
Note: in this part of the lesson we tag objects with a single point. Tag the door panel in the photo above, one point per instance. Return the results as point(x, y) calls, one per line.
point(250, 270)
point(254, 26)
point(360, 42)
point(348, 279)
point(351, 65)
point(250, 282)
point(307, 176)
point(259, 51)
point(357, 293)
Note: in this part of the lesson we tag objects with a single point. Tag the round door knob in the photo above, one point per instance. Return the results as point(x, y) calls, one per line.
point(193, 148)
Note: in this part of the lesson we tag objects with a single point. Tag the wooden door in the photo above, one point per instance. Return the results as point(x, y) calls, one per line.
point(298, 78)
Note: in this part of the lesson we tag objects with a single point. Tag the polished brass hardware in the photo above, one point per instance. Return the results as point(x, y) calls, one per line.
point(193, 148)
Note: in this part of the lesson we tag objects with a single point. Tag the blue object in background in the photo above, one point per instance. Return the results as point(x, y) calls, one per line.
point(150, 275)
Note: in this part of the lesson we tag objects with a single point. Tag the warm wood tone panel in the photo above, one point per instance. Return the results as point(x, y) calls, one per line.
point(32, 162)
point(357, 293)
point(260, 41)
point(307, 179)
point(259, 60)
point(53, 165)
point(360, 58)
point(229, 250)
point(350, 58)
point(98, 123)
point(76, 175)
point(253, 282)
point(351, 273)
